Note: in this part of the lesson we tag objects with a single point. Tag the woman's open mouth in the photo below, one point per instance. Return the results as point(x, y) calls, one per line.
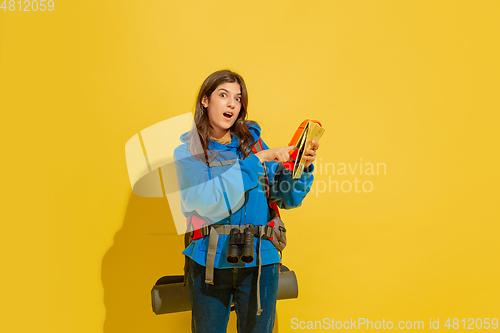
point(228, 115)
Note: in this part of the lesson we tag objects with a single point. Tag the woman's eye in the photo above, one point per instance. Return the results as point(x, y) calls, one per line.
point(238, 99)
point(223, 95)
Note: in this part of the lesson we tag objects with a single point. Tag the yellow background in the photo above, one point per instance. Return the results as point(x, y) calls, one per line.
point(412, 84)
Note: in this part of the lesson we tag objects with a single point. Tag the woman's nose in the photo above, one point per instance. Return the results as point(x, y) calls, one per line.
point(230, 103)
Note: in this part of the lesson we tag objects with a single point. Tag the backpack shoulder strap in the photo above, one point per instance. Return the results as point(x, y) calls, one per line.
point(258, 146)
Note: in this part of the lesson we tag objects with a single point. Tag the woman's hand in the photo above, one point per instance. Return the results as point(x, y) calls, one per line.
point(280, 154)
point(311, 154)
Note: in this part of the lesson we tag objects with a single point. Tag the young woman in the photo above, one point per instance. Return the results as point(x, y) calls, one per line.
point(223, 188)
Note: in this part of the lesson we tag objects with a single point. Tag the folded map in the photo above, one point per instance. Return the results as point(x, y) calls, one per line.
point(309, 130)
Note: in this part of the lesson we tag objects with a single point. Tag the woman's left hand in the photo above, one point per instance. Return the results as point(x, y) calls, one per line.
point(310, 154)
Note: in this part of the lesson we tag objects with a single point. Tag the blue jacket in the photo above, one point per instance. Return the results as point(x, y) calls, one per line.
point(208, 193)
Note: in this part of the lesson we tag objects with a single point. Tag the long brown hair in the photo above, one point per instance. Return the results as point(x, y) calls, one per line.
point(202, 129)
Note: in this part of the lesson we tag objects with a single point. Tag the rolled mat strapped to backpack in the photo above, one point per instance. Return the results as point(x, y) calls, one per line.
point(169, 296)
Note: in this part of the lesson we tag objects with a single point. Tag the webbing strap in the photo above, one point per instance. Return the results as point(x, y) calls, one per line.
point(259, 308)
point(212, 250)
point(226, 229)
point(256, 148)
point(221, 163)
point(225, 198)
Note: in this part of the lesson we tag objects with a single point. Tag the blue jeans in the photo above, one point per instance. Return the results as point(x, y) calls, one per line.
point(211, 304)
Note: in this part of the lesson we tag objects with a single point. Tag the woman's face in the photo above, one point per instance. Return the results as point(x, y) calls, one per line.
point(223, 107)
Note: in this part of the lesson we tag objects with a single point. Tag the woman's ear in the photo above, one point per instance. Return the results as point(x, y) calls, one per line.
point(204, 101)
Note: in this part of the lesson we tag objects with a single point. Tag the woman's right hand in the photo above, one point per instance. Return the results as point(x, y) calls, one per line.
point(280, 154)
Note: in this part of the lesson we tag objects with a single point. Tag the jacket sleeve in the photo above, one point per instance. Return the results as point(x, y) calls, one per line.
point(211, 192)
point(283, 189)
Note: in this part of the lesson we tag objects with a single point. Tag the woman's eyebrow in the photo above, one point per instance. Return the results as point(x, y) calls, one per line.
point(227, 90)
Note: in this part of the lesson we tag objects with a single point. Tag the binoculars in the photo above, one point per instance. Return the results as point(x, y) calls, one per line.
point(237, 239)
